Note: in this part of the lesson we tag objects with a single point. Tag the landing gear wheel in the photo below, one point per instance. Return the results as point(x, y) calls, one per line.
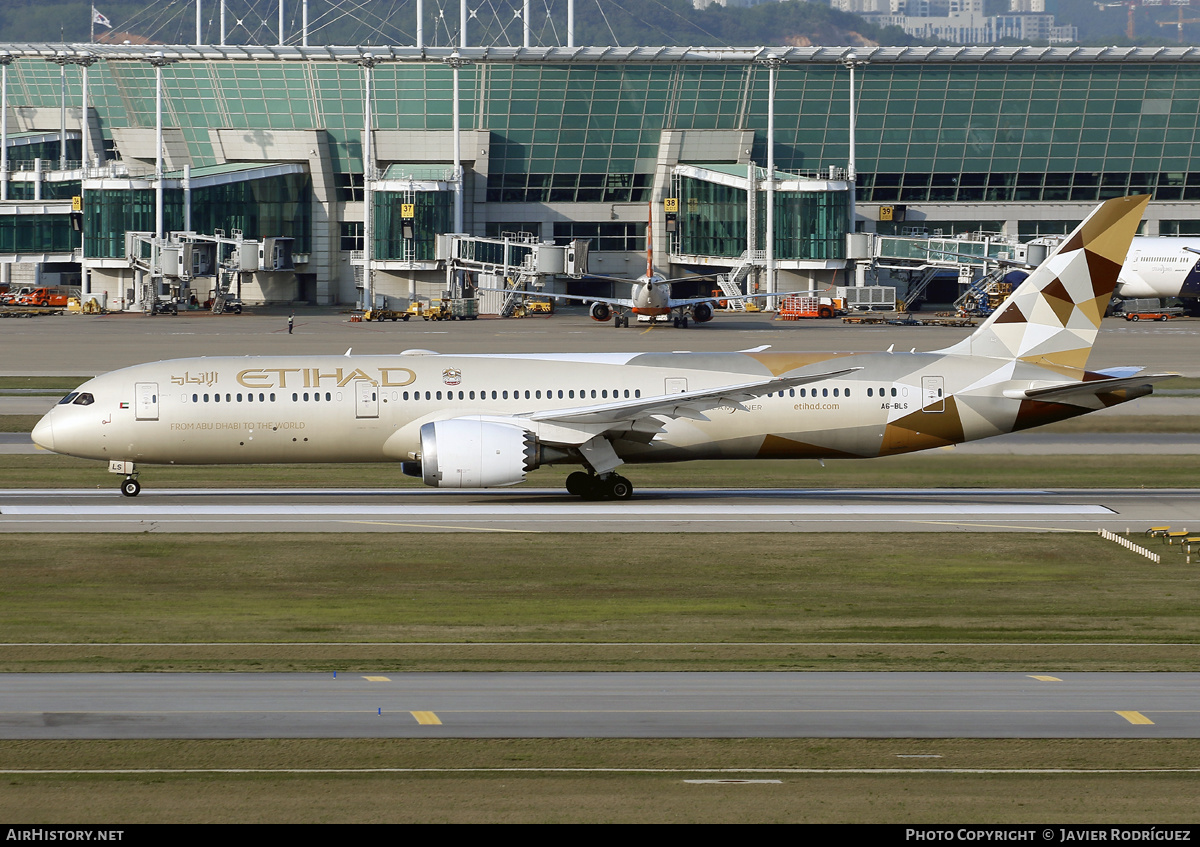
point(617, 488)
point(578, 483)
point(131, 487)
point(683, 322)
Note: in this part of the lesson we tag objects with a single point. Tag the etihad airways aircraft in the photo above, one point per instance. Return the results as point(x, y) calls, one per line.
point(1162, 267)
point(469, 421)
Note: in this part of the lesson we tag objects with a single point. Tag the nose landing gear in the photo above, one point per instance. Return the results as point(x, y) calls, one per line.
point(130, 487)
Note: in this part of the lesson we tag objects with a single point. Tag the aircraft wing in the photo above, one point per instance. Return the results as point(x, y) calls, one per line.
point(612, 301)
point(691, 301)
point(1075, 389)
point(687, 404)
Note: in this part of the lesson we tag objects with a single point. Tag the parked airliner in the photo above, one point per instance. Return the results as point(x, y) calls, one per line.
point(651, 296)
point(1162, 267)
point(469, 421)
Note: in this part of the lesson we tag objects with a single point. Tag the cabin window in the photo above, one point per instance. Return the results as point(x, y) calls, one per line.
point(195, 398)
point(527, 394)
point(637, 392)
point(893, 392)
point(429, 397)
point(835, 392)
point(593, 394)
point(216, 398)
point(272, 396)
point(791, 392)
point(539, 394)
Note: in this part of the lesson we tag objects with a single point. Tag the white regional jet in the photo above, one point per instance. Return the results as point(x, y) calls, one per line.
point(468, 421)
point(1162, 267)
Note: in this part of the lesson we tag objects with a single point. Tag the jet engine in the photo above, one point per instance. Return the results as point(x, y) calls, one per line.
point(702, 313)
point(470, 453)
point(601, 312)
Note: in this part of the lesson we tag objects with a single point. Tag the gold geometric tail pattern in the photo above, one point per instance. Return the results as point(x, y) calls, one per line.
point(1053, 316)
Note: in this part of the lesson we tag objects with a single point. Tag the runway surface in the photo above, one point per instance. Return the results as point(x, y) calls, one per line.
point(607, 705)
point(545, 510)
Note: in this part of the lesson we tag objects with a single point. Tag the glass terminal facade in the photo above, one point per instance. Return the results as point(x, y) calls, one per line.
point(1011, 137)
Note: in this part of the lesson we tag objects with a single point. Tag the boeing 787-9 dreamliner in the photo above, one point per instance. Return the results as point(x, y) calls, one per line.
point(473, 421)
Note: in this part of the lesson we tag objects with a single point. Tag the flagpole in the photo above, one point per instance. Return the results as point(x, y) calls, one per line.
point(93, 35)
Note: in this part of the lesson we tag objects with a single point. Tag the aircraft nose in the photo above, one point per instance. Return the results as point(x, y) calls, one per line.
point(43, 434)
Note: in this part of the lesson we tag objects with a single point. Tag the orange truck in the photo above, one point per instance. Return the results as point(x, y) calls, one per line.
point(44, 297)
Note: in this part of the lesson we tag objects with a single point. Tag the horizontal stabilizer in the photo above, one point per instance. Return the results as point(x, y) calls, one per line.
point(1068, 390)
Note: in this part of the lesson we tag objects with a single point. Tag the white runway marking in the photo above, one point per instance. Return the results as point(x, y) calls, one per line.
point(529, 510)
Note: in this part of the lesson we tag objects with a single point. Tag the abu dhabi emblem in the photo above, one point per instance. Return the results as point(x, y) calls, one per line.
point(452, 376)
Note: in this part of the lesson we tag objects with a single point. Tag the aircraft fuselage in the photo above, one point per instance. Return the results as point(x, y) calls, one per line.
point(372, 408)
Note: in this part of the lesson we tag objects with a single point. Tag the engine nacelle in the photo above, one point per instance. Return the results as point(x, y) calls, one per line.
point(702, 313)
point(601, 312)
point(470, 453)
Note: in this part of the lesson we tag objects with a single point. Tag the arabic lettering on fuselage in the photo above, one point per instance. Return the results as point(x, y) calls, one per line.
point(188, 378)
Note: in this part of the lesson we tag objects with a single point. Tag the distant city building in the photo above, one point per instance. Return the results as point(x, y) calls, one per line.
point(971, 26)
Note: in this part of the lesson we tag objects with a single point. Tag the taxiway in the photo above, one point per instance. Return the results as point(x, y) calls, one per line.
point(600, 705)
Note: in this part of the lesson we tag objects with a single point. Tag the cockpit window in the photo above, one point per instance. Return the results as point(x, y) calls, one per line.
point(84, 399)
point(68, 399)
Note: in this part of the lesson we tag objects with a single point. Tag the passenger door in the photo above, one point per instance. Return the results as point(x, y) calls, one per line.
point(933, 393)
point(366, 399)
point(146, 401)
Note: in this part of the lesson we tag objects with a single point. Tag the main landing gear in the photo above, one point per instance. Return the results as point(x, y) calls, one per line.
point(609, 486)
point(621, 321)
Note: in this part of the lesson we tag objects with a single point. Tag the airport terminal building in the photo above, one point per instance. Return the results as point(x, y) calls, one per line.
point(571, 144)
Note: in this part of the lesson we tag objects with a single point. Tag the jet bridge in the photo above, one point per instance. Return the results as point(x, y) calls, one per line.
point(515, 261)
point(974, 256)
point(184, 264)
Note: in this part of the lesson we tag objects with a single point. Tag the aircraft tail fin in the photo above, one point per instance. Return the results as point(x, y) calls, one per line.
point(1054, 315)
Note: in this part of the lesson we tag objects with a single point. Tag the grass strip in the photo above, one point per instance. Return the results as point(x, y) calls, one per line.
point(934, 468)
point(531, 602)
point(512, 790)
